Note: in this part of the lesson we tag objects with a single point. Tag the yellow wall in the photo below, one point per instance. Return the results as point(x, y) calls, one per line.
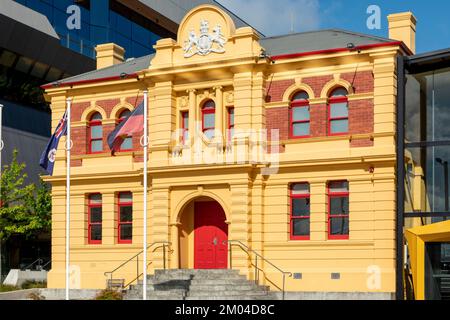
point(256, 204)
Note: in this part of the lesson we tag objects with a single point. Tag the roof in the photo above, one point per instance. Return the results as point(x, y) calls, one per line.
point(176, 10)
point(297, 43)
point(24, 15)
point(427, 61)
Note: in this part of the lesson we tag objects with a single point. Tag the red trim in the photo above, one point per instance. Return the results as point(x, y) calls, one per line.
point(292, 217)
point(330, 119)
point(94, 123)
point(208, 110)
point(336, 50)
point(229, 125)
point(73, 83)
point(295, 104)
point(90, 224)
point(119, 222)
point(329, 215)
point(184, 116)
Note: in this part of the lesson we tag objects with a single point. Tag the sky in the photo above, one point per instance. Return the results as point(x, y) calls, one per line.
point(275, 17)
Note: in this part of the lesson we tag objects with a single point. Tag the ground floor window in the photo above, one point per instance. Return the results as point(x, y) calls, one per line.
point(300, 211)
point(125, 219)
point(95, 218)
point(338, 210)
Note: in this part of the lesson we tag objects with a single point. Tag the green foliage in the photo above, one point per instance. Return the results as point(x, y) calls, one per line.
point(25, 209)
point(36, 296)
point(6, 288)
point(31, 284)
point(108, 294)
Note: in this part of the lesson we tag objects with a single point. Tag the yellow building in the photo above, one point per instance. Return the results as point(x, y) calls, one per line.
point(285, 145)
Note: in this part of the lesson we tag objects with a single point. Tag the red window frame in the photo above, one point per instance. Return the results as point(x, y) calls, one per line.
point(230, 125)
point(298, 104)
point(119, 222)
point(184, 129)
point(208, 109)
point(292, 217)
point(330, 215)
point(94, 123)
point(333, 100)
point(120, 120)
point(90, 224)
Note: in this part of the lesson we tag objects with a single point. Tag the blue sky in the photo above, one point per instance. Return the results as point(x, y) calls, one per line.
point(275, 17)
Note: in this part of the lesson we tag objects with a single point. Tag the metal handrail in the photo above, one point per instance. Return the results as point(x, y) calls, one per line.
point(38, 260)
point(46, 264)
point(242, 245)
point(136, 256)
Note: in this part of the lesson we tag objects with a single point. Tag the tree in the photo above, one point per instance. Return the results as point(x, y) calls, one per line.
point(25, 209)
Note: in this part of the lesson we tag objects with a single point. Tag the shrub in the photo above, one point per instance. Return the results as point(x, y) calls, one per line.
point(31, 284)
point(6, 288)
point(36, 296)
point(108, 294)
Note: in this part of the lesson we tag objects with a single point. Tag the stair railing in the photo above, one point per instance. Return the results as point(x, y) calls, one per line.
point(158, 244)
point(38, 261)
point(261, 258)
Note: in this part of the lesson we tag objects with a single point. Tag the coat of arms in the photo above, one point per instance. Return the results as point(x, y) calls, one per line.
point(205, 43)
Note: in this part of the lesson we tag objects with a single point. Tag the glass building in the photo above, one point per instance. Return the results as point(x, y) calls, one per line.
point(423, 184)
point(102, 21)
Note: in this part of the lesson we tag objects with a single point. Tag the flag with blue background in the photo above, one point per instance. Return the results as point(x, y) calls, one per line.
point(48, 157)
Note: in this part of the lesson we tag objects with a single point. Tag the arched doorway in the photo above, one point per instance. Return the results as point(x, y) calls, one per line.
point(203, 235)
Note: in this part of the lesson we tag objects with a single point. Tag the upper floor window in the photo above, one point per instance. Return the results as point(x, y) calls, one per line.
point(300, 211)
point(208, 118)
point(127, 143)
point(95, 133)
point(184, 127)
point(125, 219)
point(338, 112)
point(95, 218)
point(299, 115)
point(230, 123)
point(338, 210)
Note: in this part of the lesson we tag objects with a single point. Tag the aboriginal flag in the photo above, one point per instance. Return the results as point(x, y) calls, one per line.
point(47, 160)
point(134, 123)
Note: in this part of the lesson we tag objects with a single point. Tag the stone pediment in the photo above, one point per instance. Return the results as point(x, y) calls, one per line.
point(206, 34)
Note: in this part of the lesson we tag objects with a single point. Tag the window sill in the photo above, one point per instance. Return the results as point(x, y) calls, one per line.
point(106, 154)
point(322, 243)
point(106, 247)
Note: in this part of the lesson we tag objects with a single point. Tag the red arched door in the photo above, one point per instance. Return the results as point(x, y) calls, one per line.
point(210, 236)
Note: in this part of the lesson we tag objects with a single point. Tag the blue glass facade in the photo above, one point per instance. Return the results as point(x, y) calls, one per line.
point(99, 24)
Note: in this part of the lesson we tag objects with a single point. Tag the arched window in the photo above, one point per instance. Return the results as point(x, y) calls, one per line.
point(95, 133)
point(127, 144)
point(208, 118)
point(338, 112)
point(299, 115)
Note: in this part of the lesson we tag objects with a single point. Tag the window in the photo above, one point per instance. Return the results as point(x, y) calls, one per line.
point(338, 112)
point(230, 123)
point(125, 219)
point(95, 133)
point(208, 118)
point(300, 211)
point(338, 213)
point(184, 127)
point(299, 115)
point(95, 218)
point(127, 143)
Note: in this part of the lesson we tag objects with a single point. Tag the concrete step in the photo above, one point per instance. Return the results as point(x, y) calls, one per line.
point(226, 293)
point(225, 287)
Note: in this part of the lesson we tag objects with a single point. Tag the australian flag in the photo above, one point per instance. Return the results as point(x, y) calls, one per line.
point(47, 160)
point(134, 123)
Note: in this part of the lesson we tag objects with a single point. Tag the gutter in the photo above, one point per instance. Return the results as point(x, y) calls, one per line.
point(275, 58)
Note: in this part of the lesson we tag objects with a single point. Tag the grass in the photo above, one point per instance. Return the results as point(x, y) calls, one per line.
point(31, 284)
point(7, 288)
point(108, 294)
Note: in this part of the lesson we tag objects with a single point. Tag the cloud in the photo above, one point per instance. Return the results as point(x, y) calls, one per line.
point(275, 17)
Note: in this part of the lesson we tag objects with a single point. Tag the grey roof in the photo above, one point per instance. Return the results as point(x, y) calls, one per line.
point(316, 41)
point(175, 10)
point(285, 44)
point(29, 17)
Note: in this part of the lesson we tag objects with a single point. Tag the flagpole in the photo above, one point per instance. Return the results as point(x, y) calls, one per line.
point(68, 147)
point(144, 272)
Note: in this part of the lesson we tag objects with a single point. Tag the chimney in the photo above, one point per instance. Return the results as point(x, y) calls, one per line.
point(402, 27)
point(109, 54)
